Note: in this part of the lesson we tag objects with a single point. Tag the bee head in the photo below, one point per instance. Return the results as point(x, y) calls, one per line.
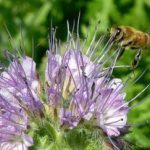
point(116, 32)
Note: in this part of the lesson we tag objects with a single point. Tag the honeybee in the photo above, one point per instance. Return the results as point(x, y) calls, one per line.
point(129, 37)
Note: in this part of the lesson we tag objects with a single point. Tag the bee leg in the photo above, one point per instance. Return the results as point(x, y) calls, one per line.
point(121, 52)
point(136, 59)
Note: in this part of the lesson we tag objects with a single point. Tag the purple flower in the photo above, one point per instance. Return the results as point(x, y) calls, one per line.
point(63, 74)
point(111, 109)
point(67, 119)
point(19, 97)
point(20, 81)
point(67, 81)
point(80, 107)
point(53, 78)
point(81, 88)
point(13, 125)
point(77, 88)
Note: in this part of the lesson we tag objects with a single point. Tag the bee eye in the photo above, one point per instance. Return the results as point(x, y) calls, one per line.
point(118, 30)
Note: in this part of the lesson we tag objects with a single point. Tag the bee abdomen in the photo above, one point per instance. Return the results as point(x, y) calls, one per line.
point(147, 41)
point(142, 40)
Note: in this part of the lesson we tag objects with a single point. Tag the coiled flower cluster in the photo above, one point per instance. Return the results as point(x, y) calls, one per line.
point(78, 89)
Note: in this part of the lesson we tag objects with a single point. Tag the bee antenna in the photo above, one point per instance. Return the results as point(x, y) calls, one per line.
point(108, 30)
point(115, 26)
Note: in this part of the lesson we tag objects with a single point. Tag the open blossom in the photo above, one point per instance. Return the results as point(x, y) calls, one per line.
point(69, 82)
point(111, 108)
point(20, 81)
point(18, 98)
point(13, 125)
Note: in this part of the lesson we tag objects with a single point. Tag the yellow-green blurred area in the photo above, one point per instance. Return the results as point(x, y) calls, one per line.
point(28, 23)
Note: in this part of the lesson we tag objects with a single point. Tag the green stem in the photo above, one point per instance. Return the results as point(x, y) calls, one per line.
point(56, 135)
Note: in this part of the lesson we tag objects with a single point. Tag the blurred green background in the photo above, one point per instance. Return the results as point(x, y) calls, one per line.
point(33, 19)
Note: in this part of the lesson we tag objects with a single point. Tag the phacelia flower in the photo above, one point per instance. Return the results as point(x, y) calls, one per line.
point(20, 81)
point(69, 84)
point(18, 98)
point(111, 108)
point(13, 125)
